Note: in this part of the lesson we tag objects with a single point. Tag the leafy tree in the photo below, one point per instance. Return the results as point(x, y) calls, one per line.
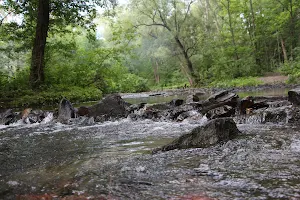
point(175, 17)
point(41, 16)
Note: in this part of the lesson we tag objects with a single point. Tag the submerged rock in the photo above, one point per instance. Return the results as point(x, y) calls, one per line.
point(215, 131)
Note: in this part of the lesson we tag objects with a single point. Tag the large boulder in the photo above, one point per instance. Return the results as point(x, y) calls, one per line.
point(111, 107)
point(213, 132)
point(82, 111)
point(294, 96)
point(66, 111)
point(7, 117)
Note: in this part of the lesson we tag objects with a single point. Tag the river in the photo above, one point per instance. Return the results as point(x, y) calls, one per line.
point(113, 160)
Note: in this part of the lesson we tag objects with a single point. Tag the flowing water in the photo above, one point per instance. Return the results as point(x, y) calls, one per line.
point(114, 160)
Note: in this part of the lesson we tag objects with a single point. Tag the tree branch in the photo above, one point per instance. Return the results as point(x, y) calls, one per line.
point(187, 12)
point(1, 21)
point(175, 17)
point(154, 24)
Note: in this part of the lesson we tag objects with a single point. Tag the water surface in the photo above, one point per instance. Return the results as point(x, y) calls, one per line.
point(114, 159)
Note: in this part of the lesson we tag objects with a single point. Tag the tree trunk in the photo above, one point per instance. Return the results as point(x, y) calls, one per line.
point(188, 61)
point(186, 74)
point(38, 51)
point(207, 16)
point(284, 50)
point(253, 34)
point(292, 30)
point(155, 70)
point(232, 31)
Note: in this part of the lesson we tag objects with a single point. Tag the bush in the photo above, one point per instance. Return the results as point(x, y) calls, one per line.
point(292, 68)
point(132, 83)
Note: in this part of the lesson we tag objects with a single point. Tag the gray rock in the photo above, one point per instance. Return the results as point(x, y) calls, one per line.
point(35, 116)
point(192, 98)
point(294, 96)
point(111, 107)
point(176, 102)
point(135, 107)
point(213, 132)
point(223, 111)
point(8, 117)
point(82, 111)
point(282, 115)
point(220, 99)
point(66, 111)
point(221, 96)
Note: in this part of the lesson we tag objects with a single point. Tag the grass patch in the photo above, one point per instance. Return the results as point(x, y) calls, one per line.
point(238, 82)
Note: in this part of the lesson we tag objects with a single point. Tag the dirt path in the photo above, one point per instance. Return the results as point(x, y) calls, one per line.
point(273, 79)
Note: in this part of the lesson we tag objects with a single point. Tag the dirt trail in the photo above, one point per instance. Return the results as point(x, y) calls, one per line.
point(273, 79)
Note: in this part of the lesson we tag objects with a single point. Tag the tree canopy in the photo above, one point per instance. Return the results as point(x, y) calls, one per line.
point(142, 44)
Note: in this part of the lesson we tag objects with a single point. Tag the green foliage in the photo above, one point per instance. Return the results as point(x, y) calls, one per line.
point(52, 96)
point(292, 68)
point(131, 83)
point(225, 40)
point(239, 82)
point(76, 69)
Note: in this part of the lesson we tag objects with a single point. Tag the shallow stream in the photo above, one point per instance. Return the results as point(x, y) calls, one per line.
point(113, 160)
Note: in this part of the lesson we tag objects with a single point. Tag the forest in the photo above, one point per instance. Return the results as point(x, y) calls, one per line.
point(82, 50)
